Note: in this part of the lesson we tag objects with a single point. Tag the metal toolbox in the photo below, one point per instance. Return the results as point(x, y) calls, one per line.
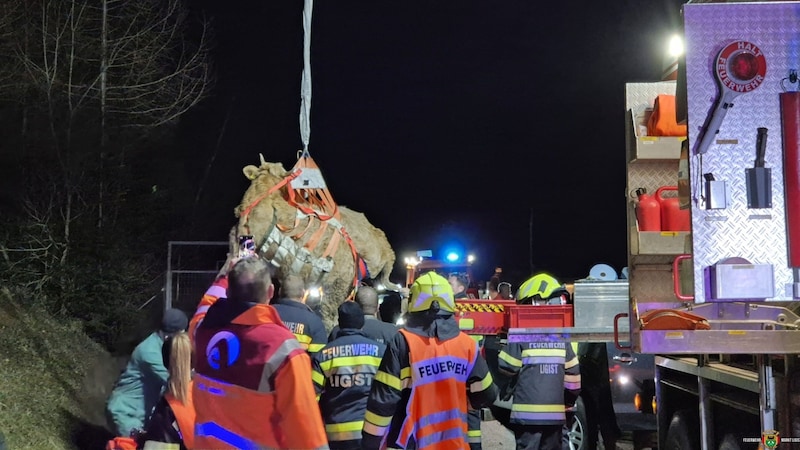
point(597, 302)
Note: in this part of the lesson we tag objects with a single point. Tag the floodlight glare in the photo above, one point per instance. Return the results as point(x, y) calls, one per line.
point(675, 46)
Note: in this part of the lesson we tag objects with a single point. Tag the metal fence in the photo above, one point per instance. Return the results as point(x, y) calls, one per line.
point(191, 268)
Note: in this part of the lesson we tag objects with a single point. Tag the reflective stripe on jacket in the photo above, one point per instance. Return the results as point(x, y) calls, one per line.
point(216, 291)
point(303, 322)
point(243, 353)
point(548, 379)
point(343, 374)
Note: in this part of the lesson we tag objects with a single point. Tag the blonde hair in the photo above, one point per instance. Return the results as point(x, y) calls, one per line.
point(180, 367)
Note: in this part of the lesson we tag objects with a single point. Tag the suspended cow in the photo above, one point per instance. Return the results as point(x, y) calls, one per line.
point(295, 224)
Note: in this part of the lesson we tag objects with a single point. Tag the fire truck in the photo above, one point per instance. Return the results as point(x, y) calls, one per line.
point(717, 303)
point(453, 262)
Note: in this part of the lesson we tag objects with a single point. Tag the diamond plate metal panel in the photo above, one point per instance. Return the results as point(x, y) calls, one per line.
point(758, 235)
point(651, 175)
point(643, 95)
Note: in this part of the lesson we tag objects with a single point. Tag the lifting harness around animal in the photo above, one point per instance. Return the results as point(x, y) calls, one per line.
point(307, 192)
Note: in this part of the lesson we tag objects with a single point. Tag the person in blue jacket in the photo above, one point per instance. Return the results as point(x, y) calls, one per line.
point(140, 386)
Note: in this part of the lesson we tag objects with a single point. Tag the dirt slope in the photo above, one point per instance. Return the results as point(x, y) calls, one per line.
point(54, 381)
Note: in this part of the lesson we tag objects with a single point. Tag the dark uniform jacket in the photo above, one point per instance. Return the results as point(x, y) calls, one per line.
point(392, 388)
point(548, 378)
point(343, 374)
point(306, 326)
point(379, 330)
point(474, 435)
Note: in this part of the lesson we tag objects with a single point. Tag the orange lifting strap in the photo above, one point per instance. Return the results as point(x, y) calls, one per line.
point(308, 191)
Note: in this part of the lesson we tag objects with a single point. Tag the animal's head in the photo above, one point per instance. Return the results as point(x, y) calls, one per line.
point(267, 175)
point(257, 209)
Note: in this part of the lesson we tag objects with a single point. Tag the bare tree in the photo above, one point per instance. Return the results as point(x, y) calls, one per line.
point(114, 64)
point(150, 75)
point(88, 78)
point(131, 60)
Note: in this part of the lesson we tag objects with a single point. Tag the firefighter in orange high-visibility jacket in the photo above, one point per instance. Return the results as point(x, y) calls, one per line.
point(252, 386)
point(216, 291)
point(548, 378)
point(429, 376)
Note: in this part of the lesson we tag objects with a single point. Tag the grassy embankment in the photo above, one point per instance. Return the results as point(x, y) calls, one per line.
point(53, 381)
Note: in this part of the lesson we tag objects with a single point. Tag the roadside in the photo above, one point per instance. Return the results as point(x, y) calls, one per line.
point(498, 437)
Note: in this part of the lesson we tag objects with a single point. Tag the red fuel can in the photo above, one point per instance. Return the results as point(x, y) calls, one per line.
point(648, 211)
point(673, 218)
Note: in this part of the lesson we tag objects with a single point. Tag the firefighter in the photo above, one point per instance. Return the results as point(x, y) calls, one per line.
point(542, 289)
point(374, 328)
point(459, 282)
point(252, 385)
point(343, 373)
point(430, 374)
point(216, 291)
point(297, 316)
point(547, 378)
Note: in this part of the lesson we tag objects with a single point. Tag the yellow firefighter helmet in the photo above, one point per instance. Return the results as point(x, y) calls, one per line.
point(429, 288)
point(541, 284)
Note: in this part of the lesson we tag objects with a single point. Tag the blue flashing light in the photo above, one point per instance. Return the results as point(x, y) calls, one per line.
point(452, 256)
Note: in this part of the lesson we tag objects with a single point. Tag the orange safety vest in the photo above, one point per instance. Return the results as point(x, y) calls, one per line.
point(236, 401)
point(184, 415)
point(436, 414)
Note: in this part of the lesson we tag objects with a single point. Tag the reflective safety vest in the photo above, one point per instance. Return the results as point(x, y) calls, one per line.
point(184, 415)
point(436, 413)
point(252, 386)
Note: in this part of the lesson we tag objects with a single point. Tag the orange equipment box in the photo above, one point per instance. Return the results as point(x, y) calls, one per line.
point(484, 317)
point(541, 316)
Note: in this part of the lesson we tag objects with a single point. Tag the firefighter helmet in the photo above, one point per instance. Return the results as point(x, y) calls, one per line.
point(429, 288)
point(541, 284)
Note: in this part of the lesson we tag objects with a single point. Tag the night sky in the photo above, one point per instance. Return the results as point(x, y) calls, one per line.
point(443, 121)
